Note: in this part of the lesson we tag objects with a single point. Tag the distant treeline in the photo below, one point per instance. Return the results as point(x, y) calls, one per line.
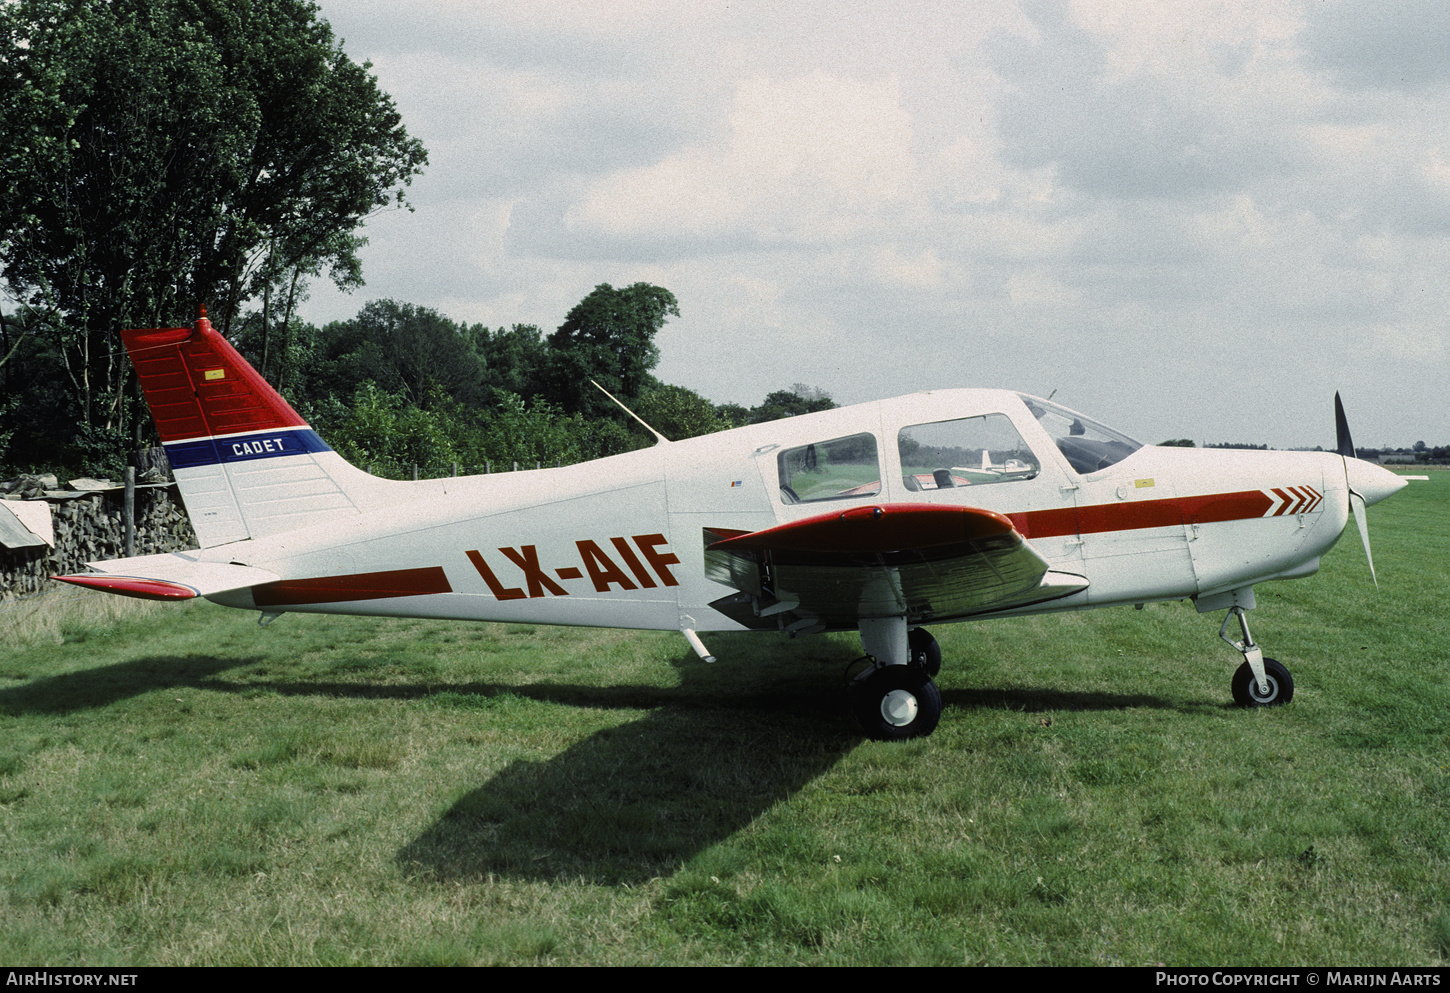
point(401, 386)
point(1188, 443)
point(1419, 453)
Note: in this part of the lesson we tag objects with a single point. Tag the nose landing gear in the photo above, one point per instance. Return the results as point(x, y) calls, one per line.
point(1259, 682)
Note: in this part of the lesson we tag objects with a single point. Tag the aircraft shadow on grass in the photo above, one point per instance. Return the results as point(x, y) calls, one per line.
point(94, 688)
point(623, 805)
point(635, 802)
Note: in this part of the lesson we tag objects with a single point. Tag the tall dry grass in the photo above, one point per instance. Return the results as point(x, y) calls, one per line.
point(64, 612)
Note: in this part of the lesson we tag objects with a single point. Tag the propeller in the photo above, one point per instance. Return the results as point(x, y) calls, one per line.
point(1356, 500)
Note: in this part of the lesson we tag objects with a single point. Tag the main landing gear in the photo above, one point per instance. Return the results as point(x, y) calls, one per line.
point(1259, 682)
point(894, 698)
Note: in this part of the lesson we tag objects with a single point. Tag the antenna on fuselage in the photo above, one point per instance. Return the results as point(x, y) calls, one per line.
point(658, 436)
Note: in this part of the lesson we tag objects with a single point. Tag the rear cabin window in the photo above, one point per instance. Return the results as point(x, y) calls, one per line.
point(971, 451)
point(838, 469)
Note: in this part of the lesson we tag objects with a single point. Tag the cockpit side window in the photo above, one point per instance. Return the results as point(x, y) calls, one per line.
point(971, 451)
point(837, 469)
point(1087, 445)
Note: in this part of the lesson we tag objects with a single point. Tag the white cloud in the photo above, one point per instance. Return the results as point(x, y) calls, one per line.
point(811, 159)
point(1186, 206)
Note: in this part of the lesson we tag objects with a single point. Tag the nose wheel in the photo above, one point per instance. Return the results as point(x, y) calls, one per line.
point(1259, 682)
point(1246, 688)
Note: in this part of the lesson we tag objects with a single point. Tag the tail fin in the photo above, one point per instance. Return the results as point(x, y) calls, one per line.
point(246, 463)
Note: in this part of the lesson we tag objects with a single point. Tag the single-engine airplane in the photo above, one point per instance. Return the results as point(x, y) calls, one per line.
point(937, 507)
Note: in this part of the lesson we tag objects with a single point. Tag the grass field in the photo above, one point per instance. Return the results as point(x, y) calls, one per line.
point(181, 786)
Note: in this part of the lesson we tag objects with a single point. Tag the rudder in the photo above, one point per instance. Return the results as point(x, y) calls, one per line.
point(246, 463)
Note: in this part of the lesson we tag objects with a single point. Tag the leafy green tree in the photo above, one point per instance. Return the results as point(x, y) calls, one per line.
point(799, 399)
point(732, 414)
point(514, 359)
point(529, 433)
point(677, 413)
point(157, 154)
point(608, 337)
point(389, 435)
point(1177, 443)
point(381, 431)
point(403, 348)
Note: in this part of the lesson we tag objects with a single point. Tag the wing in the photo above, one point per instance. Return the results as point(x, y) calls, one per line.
point(927, 563)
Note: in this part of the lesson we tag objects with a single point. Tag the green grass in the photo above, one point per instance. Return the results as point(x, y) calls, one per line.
point(181, 786)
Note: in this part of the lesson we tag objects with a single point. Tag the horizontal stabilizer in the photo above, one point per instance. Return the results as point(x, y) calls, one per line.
point(177, 576)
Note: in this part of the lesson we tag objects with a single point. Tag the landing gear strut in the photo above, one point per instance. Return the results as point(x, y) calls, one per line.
point(1259, 682)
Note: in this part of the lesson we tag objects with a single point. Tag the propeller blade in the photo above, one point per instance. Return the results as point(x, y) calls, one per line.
point(1352, 469)
point(1356, 504)
point(1344, 445)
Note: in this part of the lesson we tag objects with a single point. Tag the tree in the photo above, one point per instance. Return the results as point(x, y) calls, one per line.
point(514, 359)
point(157, 154)
point(732, 415)
point(678, 413)
point(799, 399)
point(608, 337)
point(402, 348)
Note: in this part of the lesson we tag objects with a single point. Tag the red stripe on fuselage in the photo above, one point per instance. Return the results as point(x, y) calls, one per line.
point(1140, 514)
point(360, 586)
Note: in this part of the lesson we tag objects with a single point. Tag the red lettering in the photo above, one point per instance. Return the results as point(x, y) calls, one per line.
point(602, 570)
point(635, 566)
point(497, 588)
point(527, 559)
point(647, 543)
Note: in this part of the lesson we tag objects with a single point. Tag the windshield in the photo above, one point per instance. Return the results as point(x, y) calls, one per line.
point(1088, 445)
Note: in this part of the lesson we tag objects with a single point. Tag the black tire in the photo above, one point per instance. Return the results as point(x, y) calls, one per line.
point(1246, 688)
point(925, 652)
point(898, 702)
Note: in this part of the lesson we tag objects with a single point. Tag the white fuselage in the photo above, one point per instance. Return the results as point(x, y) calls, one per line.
point(619, 542)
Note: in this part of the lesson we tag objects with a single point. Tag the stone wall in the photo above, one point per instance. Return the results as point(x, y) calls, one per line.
point(90, 527)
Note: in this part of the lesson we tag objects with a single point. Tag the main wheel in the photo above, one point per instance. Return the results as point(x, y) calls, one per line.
point(897, 702)
point(925, 652)
point(1246, 687)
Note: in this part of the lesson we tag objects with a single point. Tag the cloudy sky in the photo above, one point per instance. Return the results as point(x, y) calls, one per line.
point(1192, 219)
